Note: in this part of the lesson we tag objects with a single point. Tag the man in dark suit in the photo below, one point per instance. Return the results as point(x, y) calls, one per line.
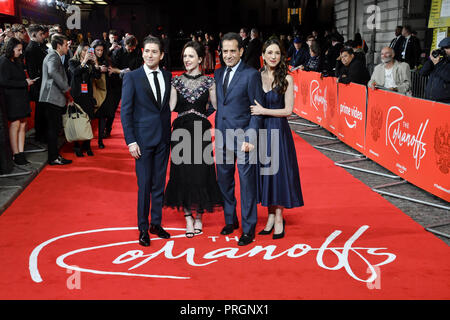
point(245, 39)
point(123, 60)
point(397, 43)
point(254, 50)
point(411, 50)
point(34, 57)
point(145, 116)
point(237, 87)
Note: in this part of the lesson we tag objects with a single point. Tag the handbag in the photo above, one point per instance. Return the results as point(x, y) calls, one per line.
point(77, 125)
point(99, 91)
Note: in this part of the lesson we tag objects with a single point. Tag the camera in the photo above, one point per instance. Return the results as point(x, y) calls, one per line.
point(438, 52)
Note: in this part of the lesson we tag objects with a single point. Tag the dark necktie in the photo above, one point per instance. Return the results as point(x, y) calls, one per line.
point(158, 88)
point(225, 82)
point(393, 43)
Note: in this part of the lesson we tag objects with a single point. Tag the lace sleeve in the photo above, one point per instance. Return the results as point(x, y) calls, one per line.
point(209, 82)
point(176, 83)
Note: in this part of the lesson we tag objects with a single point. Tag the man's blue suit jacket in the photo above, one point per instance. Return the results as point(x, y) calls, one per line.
point(143, 120)
point(233, 109)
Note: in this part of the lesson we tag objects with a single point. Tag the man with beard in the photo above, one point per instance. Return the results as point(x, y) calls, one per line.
point(391, 74)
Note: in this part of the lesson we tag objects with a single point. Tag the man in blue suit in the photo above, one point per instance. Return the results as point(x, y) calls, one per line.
point(145, 116)
point(237, 87)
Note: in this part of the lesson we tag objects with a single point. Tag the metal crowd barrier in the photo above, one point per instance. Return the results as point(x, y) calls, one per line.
point(418, 84)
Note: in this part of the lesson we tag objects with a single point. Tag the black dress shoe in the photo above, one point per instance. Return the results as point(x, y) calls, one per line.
point(19, 159)
point(60, 161)
point(101, 145)
point(78, 152)
point(107, 133)
point(89, 152)
point(144, 238)
point(229, 228)
point(246, 239)
point(159, 231)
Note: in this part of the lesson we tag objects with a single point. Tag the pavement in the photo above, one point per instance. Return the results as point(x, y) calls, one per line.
point(436, 218)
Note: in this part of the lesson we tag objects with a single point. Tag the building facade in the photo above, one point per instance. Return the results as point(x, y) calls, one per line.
point(376, 21)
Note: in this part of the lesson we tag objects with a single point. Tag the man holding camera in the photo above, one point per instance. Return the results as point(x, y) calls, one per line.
point(438, 68)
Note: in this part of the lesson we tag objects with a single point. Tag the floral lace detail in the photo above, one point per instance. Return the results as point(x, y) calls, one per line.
point(192, 88)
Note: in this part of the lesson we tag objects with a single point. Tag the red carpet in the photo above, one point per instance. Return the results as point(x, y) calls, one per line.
point(84, 216)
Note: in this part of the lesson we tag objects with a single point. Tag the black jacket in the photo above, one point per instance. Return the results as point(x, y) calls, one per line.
point(413, 51)
point(355, 72)
point(397, 45)
point(331, 56)
point(438, 85)
point(34, 56)
point(122, 59)
point(253, 53)
point(15, 88)
point(83, 75)
point(300, 57)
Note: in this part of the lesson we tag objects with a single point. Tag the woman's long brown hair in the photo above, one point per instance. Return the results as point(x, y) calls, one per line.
point(281, 70)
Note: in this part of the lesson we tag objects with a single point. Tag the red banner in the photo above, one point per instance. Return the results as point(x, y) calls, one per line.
point(410, 137)
point(7, 7)
point(351, 118)
point(316, 98)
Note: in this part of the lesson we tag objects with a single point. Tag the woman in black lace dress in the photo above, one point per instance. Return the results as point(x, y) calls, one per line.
point(192, 184)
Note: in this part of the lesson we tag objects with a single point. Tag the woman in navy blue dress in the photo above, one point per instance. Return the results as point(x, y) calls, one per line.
point(280, 185)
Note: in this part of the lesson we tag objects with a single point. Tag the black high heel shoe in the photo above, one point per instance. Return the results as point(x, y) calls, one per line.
point(265, 233)
point(279, 235)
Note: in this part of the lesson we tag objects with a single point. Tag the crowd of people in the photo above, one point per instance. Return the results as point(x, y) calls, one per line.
point(40, 64)
point(346, 60)
point(56, 70)
point(331, 55)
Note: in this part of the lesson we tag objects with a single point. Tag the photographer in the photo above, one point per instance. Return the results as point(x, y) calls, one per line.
point(84, 68)
point(438, 68)
point(113, 43)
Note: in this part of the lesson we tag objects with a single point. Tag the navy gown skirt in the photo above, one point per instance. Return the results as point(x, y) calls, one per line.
point(281, 187)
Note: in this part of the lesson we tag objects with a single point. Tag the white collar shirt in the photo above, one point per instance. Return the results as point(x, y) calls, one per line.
point(151, 80)
point(232, 72)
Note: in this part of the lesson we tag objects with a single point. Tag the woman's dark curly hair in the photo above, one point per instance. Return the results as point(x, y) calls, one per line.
point(9, 47)
point(281, 70)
